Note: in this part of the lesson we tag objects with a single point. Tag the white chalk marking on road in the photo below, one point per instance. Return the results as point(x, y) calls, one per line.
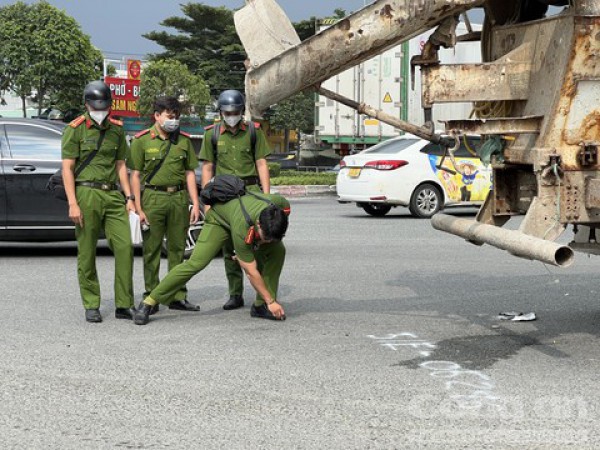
point(473, 390)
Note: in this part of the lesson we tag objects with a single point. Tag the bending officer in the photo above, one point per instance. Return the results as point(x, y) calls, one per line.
point(237, 148)
point(259, 251)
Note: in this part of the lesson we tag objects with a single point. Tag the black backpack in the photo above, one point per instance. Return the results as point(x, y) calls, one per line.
point(214, 140)
point(222, 189)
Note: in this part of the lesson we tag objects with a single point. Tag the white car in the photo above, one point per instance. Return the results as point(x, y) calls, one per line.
point(409, 171)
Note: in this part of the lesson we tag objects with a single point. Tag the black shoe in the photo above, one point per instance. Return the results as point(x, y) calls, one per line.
point(155, 309)
point(262, 312)
point(93, 315)
point(183, 305)
point(234, 302)
point(142, 314)
point(124, 313)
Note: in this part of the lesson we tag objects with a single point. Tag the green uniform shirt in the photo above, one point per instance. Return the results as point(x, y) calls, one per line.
point(80, 138)
point(234, 155)
point(231, 213)
point(148, 149)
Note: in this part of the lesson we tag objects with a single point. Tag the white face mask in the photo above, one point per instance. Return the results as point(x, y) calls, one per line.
point(232, 121)
point(98, 116)
point(170, 125)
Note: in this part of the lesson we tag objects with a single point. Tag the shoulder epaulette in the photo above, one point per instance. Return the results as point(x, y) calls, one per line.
point(75, 123)
point(115, 121)
point(142, 133)
point(183, 133)
point(256, 125)
point(210, 127)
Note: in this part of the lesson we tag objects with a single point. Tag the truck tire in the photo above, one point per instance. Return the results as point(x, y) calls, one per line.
point(376, 209)
point(425, 201)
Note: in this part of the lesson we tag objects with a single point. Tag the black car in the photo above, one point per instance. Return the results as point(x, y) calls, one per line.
point(30, 152)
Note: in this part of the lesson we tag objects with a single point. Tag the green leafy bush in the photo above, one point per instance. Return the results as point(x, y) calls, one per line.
point(274, 169)
point(294, 177)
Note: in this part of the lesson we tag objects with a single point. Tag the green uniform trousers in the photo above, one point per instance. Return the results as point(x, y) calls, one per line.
point(104, 210)
point(168, 214)
point(269, 257)
point(233, 271)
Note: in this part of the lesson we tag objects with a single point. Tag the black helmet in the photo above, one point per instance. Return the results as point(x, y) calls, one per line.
point(97, 95)
point(231, 100)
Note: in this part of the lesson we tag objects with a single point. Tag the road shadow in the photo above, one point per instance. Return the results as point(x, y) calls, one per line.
point(399, 215)
point(460, 212)
point(46, 250)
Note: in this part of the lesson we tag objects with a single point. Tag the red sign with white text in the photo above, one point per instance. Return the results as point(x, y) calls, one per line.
point(125, 94)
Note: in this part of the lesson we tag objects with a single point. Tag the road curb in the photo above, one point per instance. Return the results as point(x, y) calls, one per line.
point(304, 191)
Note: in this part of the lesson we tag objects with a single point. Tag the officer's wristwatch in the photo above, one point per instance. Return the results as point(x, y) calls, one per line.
point(130, 197)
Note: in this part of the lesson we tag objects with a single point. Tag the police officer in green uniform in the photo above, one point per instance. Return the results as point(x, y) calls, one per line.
point(95, 202)
point(236, 154)
point(258, 250)
point(163, 161)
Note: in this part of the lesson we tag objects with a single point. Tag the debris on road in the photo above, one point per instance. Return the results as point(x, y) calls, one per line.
point(517, 316)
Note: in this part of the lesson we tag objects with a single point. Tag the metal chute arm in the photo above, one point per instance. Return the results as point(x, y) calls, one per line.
point(362, 108)
point(514, 242)
point(354, 39)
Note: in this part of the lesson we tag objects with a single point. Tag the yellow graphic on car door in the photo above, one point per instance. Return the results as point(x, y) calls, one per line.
point(469, 181)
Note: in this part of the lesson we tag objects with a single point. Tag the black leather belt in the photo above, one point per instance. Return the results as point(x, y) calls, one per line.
point(97, 185)
point(169, 189)
point(251, 181)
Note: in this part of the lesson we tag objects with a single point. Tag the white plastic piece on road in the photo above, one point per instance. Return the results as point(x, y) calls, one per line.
point(517, 316)
point(524, 317)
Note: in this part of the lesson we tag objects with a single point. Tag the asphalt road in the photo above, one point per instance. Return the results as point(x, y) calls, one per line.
point(392, 341)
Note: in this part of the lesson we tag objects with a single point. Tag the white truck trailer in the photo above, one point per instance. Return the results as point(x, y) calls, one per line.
point(385, 82)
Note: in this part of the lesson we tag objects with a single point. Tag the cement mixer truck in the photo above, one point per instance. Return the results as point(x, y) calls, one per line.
point(536, 97)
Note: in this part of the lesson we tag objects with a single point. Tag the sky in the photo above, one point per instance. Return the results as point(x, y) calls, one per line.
point(116, 26)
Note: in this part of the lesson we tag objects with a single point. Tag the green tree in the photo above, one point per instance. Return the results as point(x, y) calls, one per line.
point(111, 70)
point(339, 13)
point(44, 53)
point(307, 28)
point(206, 42)
point(172, 78)
point(295, 113)
point(15, 31)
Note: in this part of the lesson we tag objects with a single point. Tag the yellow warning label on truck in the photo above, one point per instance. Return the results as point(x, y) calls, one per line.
point(387, 98)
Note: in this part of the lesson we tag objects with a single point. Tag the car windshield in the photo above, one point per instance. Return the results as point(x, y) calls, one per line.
point(393, 146)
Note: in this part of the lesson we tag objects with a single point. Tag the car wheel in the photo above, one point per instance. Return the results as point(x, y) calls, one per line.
point(376, 209)
point(426, 200)
point(190, 239)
